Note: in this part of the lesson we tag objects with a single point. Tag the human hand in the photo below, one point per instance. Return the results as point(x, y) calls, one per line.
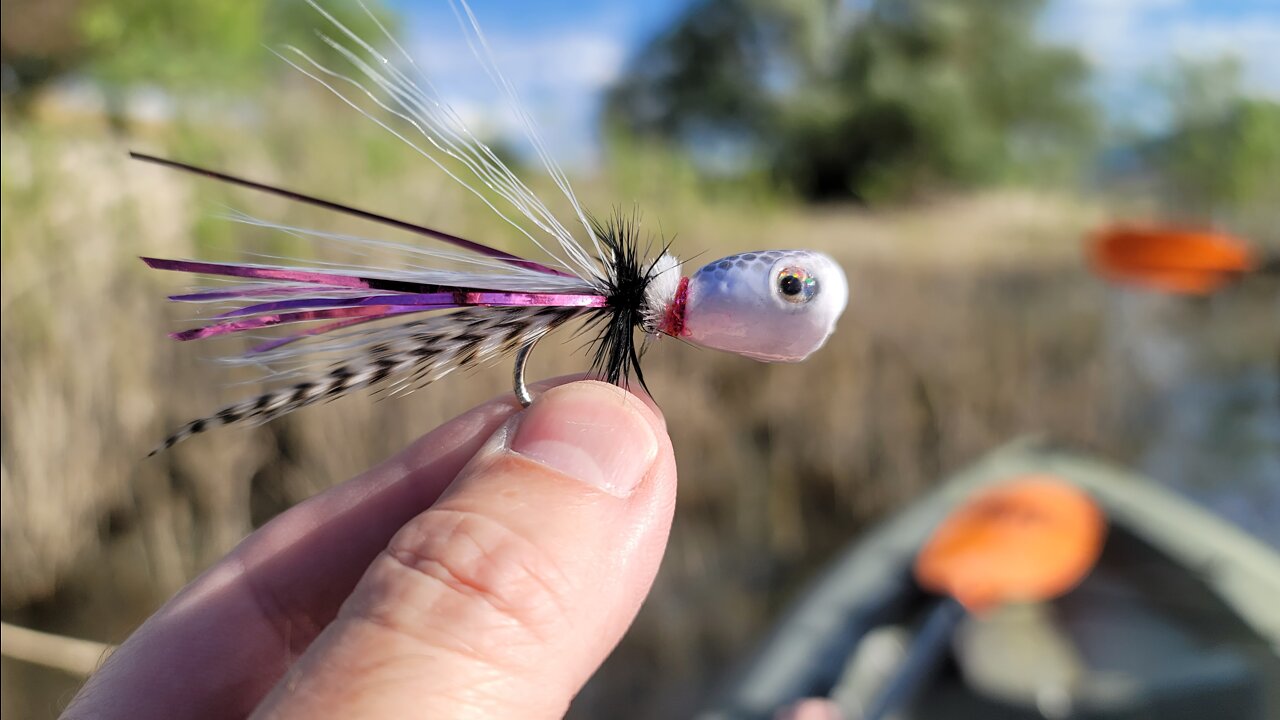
point(485, 571)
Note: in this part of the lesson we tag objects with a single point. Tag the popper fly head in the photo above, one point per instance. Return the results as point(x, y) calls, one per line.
point(769, 305)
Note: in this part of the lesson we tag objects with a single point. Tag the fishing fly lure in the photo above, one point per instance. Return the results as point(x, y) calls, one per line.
point(399, 329)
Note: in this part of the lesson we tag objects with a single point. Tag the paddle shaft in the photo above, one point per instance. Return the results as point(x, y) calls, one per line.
point(922, 658)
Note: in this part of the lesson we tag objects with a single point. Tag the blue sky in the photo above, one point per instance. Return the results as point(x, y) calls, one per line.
point(560, 54)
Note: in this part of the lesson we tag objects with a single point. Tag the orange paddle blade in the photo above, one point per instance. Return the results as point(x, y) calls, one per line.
point(1195, 262)
point(1032, 539)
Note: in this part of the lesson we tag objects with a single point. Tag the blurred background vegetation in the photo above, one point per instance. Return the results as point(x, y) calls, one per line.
point(950, 156)
point(902, 98)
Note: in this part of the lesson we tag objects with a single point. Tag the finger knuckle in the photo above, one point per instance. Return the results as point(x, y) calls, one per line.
point(476, 564)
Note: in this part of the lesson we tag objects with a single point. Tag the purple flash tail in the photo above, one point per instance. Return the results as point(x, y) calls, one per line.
point(394, 297)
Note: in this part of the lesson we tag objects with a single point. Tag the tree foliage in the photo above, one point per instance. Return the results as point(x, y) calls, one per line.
point(208, 42)
point(188, 46)
point(1223, 153)
point(880, 100)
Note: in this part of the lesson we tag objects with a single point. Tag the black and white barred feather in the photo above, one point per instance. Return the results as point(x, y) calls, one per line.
point(420, 353)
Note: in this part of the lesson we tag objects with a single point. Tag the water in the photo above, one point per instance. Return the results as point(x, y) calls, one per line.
point(1198, 391)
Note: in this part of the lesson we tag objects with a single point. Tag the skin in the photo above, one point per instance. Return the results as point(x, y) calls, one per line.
point(486, 571)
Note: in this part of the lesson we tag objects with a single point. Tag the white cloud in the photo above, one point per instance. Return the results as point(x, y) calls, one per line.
point(1112, 34)
point(1255, 42)
point(557, 75)
point(572, 60)
point(1130, 41)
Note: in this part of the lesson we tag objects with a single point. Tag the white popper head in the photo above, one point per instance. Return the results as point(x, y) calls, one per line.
point(773, 305)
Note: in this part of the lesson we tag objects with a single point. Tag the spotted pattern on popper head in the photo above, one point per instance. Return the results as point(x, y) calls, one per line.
point(741, 262)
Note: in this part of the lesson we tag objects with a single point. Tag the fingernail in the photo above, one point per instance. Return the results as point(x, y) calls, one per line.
point(589, 431)
point(810, 709)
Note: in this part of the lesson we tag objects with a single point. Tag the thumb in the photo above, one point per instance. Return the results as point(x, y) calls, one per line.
point(505, 596)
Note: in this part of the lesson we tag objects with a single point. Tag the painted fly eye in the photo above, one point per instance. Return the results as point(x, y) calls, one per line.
point(796, 285)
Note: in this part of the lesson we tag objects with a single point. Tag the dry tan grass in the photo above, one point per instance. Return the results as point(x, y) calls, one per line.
point(970, 322)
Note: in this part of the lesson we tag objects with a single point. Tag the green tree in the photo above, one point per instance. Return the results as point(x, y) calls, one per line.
point(38, 42)
point(200, 43)
point(876, 101)
point(189, 47)
point(1223, 153)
